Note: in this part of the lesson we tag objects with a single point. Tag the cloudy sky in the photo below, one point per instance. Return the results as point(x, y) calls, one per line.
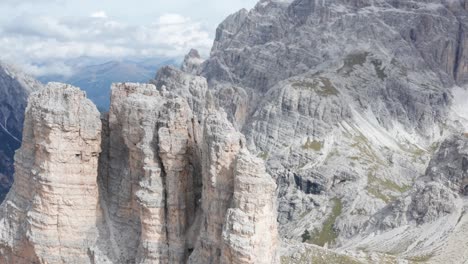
point(40, 36)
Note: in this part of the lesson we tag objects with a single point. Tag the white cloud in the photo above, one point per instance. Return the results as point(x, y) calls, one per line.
point(99, 14)
point(43, 44)
point(171, 19)
point(27, 2)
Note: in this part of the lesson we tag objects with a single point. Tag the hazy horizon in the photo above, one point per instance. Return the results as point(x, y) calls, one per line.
point(41, 38)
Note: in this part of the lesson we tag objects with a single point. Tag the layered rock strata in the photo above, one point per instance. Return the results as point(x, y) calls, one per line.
point(179, 179)
point(150, 186)
point(50, 214)
point(347, 102)
point(167, 187)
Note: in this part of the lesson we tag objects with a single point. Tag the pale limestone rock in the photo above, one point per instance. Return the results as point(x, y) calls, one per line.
point(235, 188)
point(153, 183)
point(190, 87)
point(250, 231)
point(149, 180)
point(192, 62)
point(51, 213)
point(168, 184)
point(220, 146)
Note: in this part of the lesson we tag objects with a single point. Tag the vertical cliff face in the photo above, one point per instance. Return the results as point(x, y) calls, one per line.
point(220, 147)
point(51, 213)
point(238, 218)
point(171, 179)
point(170, 186)
point(15, 88)
point(150, 186)
point(250, 225)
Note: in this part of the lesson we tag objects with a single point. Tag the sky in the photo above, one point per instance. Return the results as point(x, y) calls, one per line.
point(41, 36)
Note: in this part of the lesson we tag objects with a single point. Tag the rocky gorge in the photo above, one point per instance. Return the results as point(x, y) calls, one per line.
point(316, 132)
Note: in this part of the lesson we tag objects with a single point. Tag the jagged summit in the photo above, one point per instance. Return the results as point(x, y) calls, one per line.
point(192, 62)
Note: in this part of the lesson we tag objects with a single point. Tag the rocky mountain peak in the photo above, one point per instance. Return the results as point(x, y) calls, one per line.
point(192, 62)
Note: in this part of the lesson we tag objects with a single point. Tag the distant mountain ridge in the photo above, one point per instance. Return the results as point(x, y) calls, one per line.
point(96, 77)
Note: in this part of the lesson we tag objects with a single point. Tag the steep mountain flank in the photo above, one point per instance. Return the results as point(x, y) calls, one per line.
point(14, 90)
point(347, 101)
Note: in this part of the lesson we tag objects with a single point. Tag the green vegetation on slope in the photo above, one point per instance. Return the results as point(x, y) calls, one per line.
point(322, 86)
point(379, 70)
point(376, 187)
point(263, 155)
point(352, 60)
point(318, 255)
point(312, 145)
point(327, 235)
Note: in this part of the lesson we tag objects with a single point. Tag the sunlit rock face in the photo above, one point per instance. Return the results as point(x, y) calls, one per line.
point(147, 183)
point(51, 213)
point(179, 175)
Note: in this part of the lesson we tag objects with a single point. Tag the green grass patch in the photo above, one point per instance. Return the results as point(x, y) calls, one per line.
point(421, 259)
point(322, 86)
point(328, 235)
point(379, 70)
point(365, 148)
point(312, 145)
point(327, 88)
point(416, 152)
point(319, 256)
point(375, 191)
point(435, 146)
point(263, 155)
point(352, 60)
point(376, 187)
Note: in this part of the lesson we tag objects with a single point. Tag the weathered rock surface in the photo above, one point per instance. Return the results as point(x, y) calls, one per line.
point(150, 182)
point(168, 185)
point(449, 165)
point(51, 213)
point(190, 87)
point(15, 88)
point(347, 102)
point(419, 222)
point(192, 62)
point(250, 231)
point(171, 179)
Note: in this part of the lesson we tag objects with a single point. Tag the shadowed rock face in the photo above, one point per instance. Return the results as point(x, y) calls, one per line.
point(14, 90)
point(450, 165)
